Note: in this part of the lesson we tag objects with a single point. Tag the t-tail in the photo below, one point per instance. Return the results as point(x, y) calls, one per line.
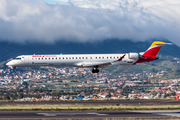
point(151, 53)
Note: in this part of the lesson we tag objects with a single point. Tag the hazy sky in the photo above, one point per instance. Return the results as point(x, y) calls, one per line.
point(89, 20)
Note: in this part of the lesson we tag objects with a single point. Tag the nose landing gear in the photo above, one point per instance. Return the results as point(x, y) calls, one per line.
point(13, 68)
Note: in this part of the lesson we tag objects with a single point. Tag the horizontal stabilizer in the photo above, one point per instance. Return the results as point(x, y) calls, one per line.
point(162, 44)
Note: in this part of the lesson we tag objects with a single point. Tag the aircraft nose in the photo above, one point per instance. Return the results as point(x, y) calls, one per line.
point(10, 63)
point(7, 63)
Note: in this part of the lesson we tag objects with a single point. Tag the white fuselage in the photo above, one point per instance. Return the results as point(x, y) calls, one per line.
point(80, 60)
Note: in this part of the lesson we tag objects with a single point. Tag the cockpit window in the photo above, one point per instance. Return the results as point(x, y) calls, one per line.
point(18, 58)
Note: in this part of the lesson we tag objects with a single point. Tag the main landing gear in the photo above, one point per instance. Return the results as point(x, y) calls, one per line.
point(95, 70)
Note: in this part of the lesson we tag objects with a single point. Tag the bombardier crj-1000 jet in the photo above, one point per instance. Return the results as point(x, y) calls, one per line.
point(94, 61)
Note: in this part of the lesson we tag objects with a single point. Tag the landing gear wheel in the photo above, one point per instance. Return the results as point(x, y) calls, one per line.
point(95, 70)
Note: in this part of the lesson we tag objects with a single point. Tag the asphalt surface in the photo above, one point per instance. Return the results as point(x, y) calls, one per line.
point(86, 115)
point(100, 102)
point(93, 114)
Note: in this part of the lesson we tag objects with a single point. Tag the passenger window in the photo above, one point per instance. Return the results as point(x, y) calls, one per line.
point(39, 58)
point(66, 57)
point(36, 58)
point(96, 57)
point(86, 57)
point(76, 58)
point(63, 57)
point(56, 58)
point(90, 57)
point(42, 58)
point(32, 58)
point(49, 58)
point(114, 57)
point(102, 57)
point(46, 58)
point(99, 57)
point(82, 57)
point(52, 58)
point(107, 57)
point(72, 57)
point(69, 57)
point(79, 57)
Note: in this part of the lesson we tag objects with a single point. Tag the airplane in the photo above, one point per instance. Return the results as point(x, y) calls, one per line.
point(94, 61)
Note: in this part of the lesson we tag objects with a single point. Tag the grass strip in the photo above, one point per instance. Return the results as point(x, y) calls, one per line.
point(82, 107)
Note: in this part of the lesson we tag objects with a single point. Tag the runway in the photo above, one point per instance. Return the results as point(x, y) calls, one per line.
point(90, 114)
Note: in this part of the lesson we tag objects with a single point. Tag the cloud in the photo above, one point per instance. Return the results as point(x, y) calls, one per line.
point(139, 20)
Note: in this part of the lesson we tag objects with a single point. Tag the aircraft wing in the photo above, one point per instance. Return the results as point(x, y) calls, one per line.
point(99, 64)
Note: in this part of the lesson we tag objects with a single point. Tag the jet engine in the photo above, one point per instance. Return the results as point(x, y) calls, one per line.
point(133, 55)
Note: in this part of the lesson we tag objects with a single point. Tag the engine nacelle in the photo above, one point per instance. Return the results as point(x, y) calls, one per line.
point(133, 55)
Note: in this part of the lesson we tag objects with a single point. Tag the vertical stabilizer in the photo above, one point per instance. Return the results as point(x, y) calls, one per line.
point(153, 50)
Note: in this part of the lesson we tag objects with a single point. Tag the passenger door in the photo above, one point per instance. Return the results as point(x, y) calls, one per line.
point(26, 59)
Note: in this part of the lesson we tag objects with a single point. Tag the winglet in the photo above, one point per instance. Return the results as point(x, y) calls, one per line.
point(119, 60)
